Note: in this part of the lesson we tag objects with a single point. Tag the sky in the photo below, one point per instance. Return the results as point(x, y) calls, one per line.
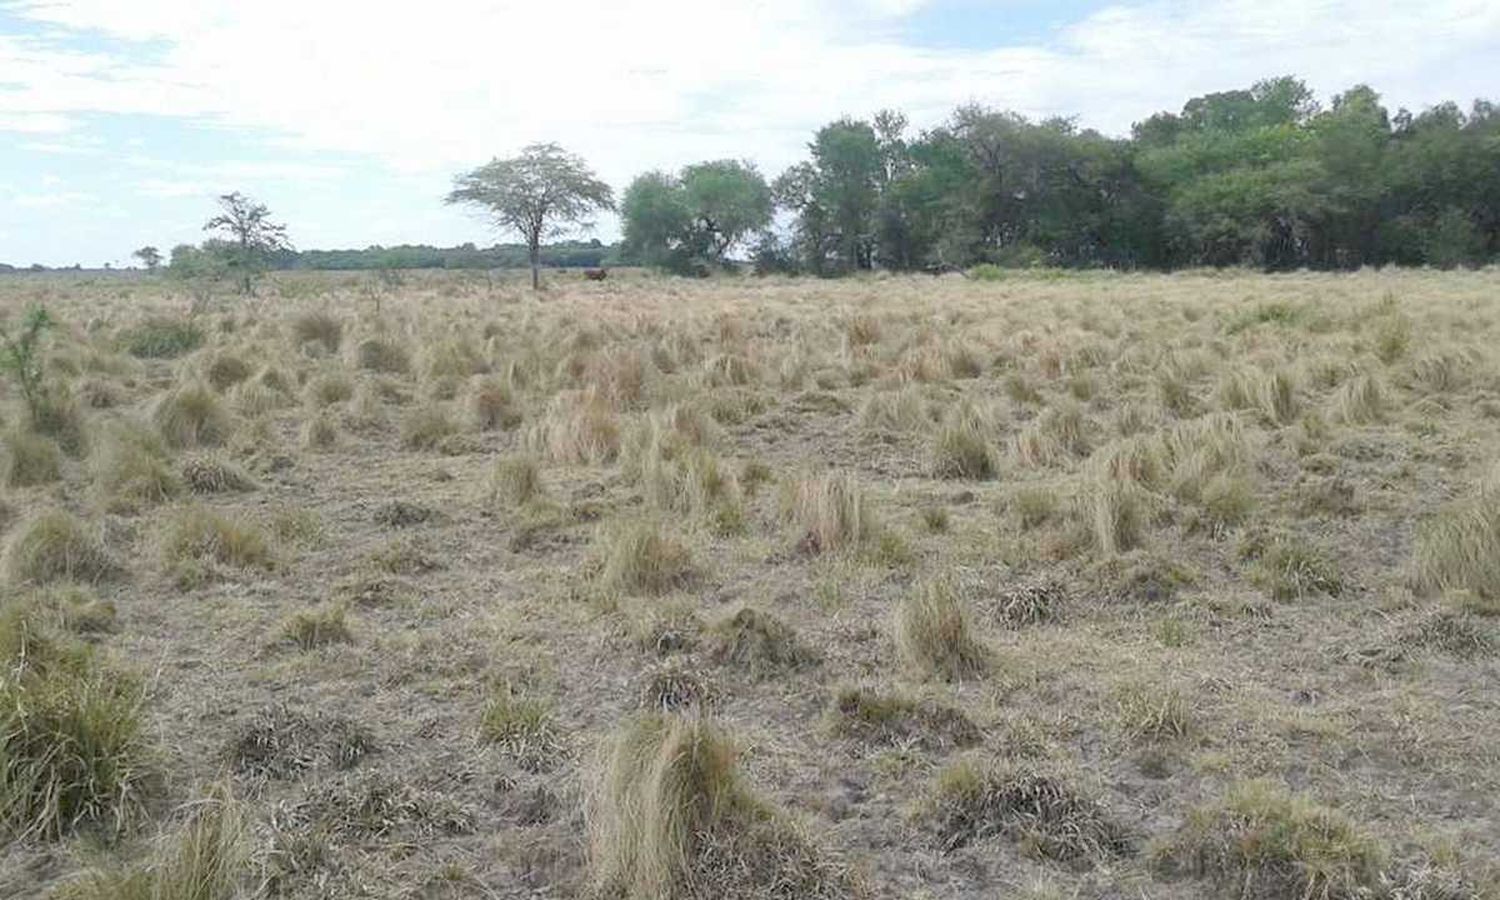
point(121, 122)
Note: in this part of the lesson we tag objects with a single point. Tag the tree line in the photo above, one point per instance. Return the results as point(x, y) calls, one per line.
point(1264, 177)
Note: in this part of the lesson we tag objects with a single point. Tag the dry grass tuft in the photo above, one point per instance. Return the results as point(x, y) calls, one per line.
point(310, 629)
point(1459, 548)
point(206, 859)
point(934, 635)
point(898, 720)
point(670, 819)
point(215, 475)
point(1041, 810)
point(318, 327)
point(426, 427)
point(1262, 842)
point(53, 545)
point(638, 557)
point(73, 749)
point(514, 480)
point(131, 467)
point(191, 415)
point(30, 459)
point(524, 728)
point(759, 643)
point(828, 513)
point(962, 449)
point(197, 536)
point(578, 427)
point(379, 355)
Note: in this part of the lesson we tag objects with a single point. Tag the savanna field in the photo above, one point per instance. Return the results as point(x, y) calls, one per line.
point(1046, 586)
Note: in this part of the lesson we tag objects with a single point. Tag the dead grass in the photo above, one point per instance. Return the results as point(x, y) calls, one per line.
point(828, 513)
point(56, 546)
point(640, 557)
point(1041, 810)
point(669, 817)
point(191, 415)
point(934, 634)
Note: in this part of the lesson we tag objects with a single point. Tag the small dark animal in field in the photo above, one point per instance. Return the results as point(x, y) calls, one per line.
point(596, 274)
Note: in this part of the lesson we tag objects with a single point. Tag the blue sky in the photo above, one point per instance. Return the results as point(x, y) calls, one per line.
point(120, 122)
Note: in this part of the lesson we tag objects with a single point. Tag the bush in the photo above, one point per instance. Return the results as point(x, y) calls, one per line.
point(162, 339)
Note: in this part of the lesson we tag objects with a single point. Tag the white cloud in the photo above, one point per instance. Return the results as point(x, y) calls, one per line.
point(636, 84)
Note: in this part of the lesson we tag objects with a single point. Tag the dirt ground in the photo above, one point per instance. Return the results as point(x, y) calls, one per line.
point(1180, 515)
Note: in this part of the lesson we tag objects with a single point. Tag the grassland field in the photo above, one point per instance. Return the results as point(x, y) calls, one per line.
point(1052, 586)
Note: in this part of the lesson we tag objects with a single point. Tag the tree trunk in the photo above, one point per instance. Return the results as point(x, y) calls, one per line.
point(535, 250)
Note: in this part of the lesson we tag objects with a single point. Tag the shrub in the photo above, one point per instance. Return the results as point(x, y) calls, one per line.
point(30, 459)
point(162, 339)
point(190, 415)
point(1041, 810)
point(1262, 842)
point(639, 558)
point(669, 819)
point(54, 546)
point(934, 636)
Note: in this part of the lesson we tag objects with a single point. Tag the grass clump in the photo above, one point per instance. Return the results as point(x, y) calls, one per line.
point(829, 513)
point(387, 357)
point(1040, 810)
point(53, 545)
point(515, 480)
point(1459, 548)
point(318, 327)
point(72, 743)
point(190, 415)
point(206, 859)
point(1358, 401)
point(313, 628)
point(213, 475)
point(524, 728)
point(759, 643)
point(934, 634)
point(1291, 568)
point(961, 448)
point(425, 427)
point(491, 404)
point(162, 339)
point(30, 459)
point(897, 720)
point(1152, 712)
point(670, 819)
point(198, 536)
point(639, 558)
point(131, 467)
point(578, 427)
point(1261, 842)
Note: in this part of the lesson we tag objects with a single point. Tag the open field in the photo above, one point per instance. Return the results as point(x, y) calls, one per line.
point(1045, 587)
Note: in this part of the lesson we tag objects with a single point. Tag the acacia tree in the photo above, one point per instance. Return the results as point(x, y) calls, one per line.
point(149, 256)
point(248, 238)
point(540, 193)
